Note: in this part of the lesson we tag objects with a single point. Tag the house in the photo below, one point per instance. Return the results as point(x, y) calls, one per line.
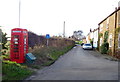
point(0, 39)
point(108, 28)
point(89, 36)
point(95, 38)
point(84, 40)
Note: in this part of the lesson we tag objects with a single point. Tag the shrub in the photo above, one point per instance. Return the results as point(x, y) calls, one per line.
point(13, 71)
point(104, 48)
point(109, 52)
point(106, 45)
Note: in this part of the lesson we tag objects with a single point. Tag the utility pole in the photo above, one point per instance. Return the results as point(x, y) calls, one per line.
point(64, 29)
point(19, 11)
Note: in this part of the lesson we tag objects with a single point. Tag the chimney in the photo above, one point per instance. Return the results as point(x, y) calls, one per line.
point(115, 8)
point(90, 30)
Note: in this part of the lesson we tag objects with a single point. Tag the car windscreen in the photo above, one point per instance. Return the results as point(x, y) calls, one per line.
point(87, 44)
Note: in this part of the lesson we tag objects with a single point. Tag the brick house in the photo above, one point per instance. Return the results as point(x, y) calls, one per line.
point(110, 24)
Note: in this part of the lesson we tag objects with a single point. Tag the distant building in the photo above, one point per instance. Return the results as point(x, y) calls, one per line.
point(89, 36)
point(95, 38)
point(84, 40)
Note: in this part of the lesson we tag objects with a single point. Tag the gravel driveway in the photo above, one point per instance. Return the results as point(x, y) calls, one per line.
point(79, 64)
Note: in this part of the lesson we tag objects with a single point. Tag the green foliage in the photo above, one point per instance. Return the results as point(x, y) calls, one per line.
point(14, 71)
point(116, 38)
point(118, 29)
point(13, 63)
point(109, 52)
point(78, 42)
point(106, 36)
point(91, 41)
point(100, 35)
point(48, 55)
point(57, 53)
point(4, 40)
point(0, 40)
point(104, 48)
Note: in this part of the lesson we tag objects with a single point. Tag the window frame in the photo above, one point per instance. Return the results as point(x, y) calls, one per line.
point(110, 40)
point(119, 40)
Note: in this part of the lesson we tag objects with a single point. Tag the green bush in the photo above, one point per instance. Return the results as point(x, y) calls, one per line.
point(104, 48)
point(14, 71)
point(109, 52)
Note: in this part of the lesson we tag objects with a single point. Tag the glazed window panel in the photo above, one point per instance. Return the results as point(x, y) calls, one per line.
point(119, 40)
point(110, 43)
point(101, 27)
point(100, 41)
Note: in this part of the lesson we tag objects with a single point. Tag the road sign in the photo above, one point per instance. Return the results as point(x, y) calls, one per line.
point(47, 36)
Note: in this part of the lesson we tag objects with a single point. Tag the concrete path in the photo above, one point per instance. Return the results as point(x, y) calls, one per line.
point(79, 64)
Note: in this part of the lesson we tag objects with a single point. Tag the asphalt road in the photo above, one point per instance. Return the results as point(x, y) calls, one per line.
point(79, 64)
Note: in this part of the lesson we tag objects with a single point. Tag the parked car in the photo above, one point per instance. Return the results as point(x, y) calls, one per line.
point(87, 46)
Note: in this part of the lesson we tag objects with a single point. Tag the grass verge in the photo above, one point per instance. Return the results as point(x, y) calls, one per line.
point(47, 56)
point(14, 71)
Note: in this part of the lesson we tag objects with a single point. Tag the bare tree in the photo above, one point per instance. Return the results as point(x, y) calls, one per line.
point(78, 35)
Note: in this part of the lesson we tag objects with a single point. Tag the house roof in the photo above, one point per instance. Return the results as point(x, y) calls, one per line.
point(110, 15)
point(95, 29)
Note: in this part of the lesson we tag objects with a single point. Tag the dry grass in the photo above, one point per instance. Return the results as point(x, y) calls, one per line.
point(47, 55)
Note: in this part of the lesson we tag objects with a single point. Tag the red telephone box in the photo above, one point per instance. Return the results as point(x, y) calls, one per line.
point(19, 45)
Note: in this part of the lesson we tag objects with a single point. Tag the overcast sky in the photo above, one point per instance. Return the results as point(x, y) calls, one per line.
point(47, 16)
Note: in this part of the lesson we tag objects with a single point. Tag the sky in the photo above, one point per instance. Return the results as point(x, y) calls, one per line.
point(47, 16)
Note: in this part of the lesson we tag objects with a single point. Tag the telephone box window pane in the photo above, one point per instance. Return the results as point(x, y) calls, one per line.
point(15, 48)
point(16, 42)
point(15, 51)
point(15, 39)
point(16, 31)
point(16, 36)
point(24, 31)
point(15, 45)
point(25, 36)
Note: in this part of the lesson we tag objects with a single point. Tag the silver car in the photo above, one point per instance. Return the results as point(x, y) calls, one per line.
point(87, 46)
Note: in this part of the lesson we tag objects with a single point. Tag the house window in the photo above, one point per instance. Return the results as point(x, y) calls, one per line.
point(110, 43)
point(107, 23)
point(119, 41)
point(100, 41)
point(107, 26)
point(101, 26)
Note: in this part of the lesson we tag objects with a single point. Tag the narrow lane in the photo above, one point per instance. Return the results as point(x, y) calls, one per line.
point(79, 64)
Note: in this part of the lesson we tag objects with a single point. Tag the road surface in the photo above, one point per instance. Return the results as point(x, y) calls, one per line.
point(79, 64)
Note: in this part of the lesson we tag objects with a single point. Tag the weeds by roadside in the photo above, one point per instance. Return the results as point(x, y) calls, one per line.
point(14, 71)
point(47, 56)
